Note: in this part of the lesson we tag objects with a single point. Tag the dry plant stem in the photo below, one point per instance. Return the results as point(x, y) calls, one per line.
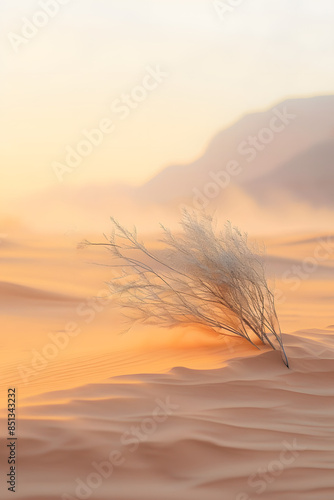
point(211, 278)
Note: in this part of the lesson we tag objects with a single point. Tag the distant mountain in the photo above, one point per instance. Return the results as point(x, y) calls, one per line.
point(306, 122)
point(285, 155)
point(308, 177)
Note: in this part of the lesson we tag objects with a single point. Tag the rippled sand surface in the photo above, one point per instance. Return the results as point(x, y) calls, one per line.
point(153, 414)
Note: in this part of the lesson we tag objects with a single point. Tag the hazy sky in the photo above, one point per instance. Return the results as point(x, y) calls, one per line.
point(64, 78)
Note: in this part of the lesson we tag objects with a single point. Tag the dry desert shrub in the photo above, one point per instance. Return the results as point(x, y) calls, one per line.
point(213, 278)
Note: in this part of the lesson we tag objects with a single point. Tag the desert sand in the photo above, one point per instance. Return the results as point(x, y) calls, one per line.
point(156, 414)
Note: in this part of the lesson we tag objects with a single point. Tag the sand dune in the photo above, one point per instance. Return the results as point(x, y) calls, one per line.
point(12, 291)
point(227, 427)
point(241, 425)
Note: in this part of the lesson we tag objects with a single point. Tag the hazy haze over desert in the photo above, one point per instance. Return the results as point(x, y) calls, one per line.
point(139, 110)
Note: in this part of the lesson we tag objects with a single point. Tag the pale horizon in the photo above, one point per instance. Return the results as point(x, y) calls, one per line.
point(77, 65)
